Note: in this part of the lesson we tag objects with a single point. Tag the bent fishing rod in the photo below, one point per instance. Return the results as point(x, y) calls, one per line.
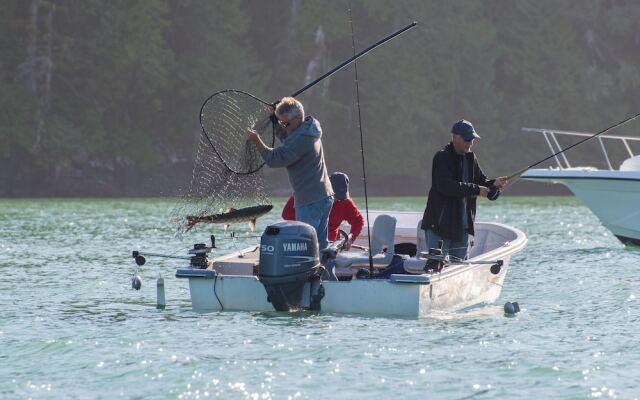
point(494, 192)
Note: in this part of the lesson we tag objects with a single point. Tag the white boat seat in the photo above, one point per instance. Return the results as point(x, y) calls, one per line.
point(382, 237)
point(361, 259)
point(414, 265)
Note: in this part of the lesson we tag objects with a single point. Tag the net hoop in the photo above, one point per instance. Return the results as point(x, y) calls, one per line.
point(225, 156)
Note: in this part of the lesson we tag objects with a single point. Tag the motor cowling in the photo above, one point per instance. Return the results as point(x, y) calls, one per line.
point(289, 258)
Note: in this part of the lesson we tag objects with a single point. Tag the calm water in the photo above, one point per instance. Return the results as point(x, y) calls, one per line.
point(71, 326)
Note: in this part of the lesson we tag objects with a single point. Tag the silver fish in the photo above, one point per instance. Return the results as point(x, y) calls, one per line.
point(232, 216)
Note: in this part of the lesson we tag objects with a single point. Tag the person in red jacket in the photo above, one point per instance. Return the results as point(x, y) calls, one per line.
point(344, 209)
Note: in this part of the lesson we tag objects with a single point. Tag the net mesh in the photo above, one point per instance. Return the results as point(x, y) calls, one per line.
point(225, 117)
point(227, 171)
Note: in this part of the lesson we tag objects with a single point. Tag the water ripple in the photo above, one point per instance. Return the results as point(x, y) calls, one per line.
point(71, 326)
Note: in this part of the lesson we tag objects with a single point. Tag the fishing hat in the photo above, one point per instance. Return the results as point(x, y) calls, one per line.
point(465, 129)
point(340, 184)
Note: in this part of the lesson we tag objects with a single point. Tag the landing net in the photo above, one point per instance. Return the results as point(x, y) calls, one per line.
point(227, 171)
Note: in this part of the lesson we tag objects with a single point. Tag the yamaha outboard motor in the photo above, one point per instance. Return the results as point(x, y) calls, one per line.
point(288, 260)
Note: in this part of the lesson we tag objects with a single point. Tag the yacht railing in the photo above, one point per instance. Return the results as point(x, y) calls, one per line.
point(554, 146)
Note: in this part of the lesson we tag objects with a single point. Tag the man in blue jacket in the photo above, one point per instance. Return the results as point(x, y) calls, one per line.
point(301, 154)
point(456, 181)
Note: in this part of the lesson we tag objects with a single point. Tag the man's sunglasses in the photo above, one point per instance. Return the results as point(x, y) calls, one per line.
point(468, 141)
point(286, 123)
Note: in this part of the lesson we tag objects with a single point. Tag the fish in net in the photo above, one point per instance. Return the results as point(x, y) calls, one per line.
point(227, 185)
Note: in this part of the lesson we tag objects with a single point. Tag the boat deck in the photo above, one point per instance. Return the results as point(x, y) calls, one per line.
point(243, 262)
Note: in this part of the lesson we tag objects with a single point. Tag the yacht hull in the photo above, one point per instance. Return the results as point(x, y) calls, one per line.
point(613, 196)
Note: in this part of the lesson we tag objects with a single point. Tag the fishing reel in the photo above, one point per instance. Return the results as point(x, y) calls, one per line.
point(199, 260)
point(436, 261)
point(494, 193)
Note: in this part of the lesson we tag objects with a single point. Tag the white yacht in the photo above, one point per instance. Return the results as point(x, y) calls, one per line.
point(613, 195)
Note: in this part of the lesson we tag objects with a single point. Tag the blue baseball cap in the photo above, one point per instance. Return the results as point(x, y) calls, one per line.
point(465, 129)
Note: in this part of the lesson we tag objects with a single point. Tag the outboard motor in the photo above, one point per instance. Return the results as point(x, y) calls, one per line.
point(289, 258)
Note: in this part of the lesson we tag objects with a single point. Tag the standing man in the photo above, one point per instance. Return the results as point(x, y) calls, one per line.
point(456, 181)
point(301, 154)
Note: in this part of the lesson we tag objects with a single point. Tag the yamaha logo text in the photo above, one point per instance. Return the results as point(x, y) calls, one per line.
point(299, 246)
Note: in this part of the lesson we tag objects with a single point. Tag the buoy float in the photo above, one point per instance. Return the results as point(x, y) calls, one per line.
point(511, 308)
point(161, 303)
point(136, 282)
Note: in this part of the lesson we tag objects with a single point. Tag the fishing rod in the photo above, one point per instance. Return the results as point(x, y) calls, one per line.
point(198, 249)
point(364, 170)
point(225, 149)
point(494, 193)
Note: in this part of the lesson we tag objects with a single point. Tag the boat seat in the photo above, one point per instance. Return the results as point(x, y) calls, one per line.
point(382, 242)
point(415, 265)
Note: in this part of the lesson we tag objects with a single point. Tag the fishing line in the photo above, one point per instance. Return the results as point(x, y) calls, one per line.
point(495, 192)
point(364, 170)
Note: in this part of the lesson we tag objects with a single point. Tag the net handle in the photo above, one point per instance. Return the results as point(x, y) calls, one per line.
point(299, 91)
point(355, 57)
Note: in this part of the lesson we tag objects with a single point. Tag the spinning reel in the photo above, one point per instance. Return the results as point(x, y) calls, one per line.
point(494, 193)
point(199, 259)
point(436, 261)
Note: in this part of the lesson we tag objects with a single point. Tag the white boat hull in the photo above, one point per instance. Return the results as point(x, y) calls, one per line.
point(613, 196)
point(455, 288)
point(234, 285)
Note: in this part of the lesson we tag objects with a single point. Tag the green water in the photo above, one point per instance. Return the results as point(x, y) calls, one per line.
point(71, 326)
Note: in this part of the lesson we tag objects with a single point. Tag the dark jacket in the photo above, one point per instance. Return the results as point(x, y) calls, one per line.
point(442, 214)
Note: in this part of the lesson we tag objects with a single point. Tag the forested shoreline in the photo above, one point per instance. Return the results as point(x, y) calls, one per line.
point(101, 98)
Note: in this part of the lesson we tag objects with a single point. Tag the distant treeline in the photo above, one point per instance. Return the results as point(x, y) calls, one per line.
point(102, 97)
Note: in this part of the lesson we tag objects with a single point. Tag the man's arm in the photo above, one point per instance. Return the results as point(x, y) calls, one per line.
point(281, 156)
point(255, 138)
point(481, 178)
point(354, 218)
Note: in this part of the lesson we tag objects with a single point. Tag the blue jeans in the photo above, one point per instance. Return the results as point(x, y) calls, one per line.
point(316, 214)
point(458, 249)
